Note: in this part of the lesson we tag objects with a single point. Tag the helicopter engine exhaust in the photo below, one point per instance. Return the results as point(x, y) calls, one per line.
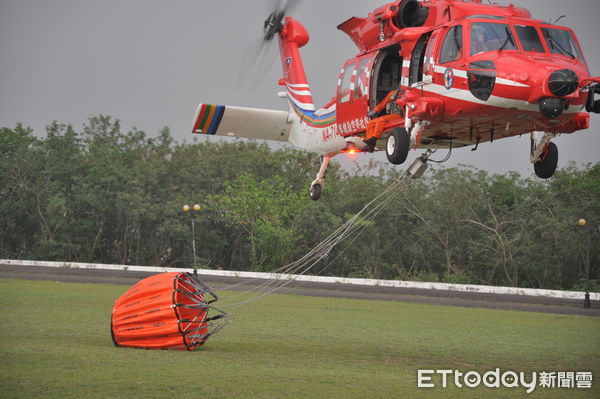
point(563, 82)
point(411, 14)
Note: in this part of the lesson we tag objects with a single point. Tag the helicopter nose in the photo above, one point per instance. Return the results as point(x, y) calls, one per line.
point(563, 82)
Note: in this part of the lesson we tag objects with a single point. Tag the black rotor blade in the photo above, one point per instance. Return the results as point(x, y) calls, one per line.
point(290, 6)
point(281, 6)
point(256, 63)
point(259, 56)
point(272, 5)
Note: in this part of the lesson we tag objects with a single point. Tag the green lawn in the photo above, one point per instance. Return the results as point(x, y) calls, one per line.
point(55, 343)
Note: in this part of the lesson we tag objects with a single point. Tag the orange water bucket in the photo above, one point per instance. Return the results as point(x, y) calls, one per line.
point(166, 311)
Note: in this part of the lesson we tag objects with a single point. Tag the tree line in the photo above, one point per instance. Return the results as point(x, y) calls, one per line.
point(106, 196)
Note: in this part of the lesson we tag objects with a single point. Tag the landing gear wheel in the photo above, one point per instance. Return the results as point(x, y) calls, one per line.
point(315, 192)
point(545, 168)
point(593, 105)
point(398, 144)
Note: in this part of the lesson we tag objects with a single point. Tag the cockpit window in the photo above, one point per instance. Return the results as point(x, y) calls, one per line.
point(345, 89)
point(561, 42)
point(487, 36)
point(530, 40)
point(362, 78)
point(451, 49)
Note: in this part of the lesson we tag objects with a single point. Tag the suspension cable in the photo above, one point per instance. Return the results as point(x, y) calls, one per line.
point(352, 228)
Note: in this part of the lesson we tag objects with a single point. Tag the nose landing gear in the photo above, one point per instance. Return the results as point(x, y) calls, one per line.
point(544, 155)
point(546, 166)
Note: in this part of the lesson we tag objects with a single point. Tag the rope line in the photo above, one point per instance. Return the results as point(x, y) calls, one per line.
point(353, 228)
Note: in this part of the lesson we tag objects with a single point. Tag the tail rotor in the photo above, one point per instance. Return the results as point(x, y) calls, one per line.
point(278, 10)
point(258, 58)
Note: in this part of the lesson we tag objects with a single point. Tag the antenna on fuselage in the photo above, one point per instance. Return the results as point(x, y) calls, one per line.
point(557, 19)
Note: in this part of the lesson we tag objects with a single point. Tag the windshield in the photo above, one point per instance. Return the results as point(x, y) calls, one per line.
point(486, 36)
point(561, 42)
point(530, 40)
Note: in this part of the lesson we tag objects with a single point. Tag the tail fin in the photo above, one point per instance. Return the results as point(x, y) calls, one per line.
point(291, 38)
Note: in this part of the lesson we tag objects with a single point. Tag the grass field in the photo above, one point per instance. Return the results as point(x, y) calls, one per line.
point(55, 343)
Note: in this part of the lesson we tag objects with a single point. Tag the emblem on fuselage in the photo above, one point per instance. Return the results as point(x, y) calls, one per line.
point(448, 78)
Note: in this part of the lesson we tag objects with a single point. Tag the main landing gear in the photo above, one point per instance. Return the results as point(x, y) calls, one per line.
point(316, 187)
point(398, 145)
point(544, 155)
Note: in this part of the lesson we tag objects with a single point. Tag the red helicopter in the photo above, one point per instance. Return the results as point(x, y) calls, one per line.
point(435, 73)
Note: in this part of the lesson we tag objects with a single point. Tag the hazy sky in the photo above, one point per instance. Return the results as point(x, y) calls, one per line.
point(150, 62)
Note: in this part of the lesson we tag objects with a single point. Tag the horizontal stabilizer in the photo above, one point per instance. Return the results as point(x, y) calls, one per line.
point(252, 123)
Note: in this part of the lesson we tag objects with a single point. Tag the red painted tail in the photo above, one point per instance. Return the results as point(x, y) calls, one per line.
point(292, 37)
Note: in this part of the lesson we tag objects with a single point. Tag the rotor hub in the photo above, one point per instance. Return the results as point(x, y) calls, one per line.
point(273, 25)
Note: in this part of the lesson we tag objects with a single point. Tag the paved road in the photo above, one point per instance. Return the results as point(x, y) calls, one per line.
point(433, 297)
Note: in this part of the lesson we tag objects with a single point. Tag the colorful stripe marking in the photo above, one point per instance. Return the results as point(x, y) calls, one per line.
point(209, 119)
point(313, 120)
point(216, 121)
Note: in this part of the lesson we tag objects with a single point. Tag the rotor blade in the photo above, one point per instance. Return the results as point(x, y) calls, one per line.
point(257, 62)
point(268, 59)
point(290, 6)
point(285, 6)
point(259, 56)
point(250, 57)
point(272, 5)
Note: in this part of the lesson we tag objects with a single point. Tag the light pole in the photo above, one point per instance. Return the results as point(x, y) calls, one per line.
point(587, 262)
point(194, 211)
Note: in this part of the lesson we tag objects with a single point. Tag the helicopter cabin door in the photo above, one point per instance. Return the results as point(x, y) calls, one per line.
point(353, 96)
point(422, 66)
point(387, 74)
